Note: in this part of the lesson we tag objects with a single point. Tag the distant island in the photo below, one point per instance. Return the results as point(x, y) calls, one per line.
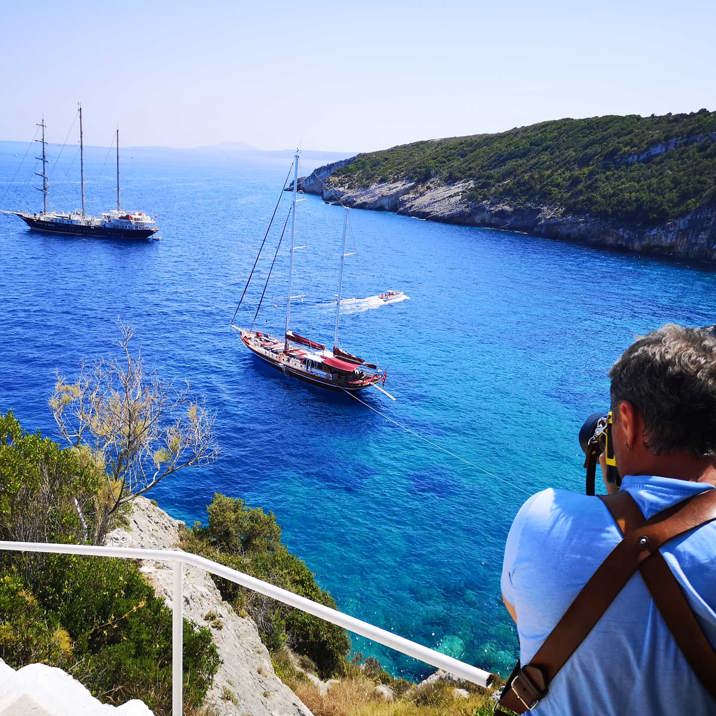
point(642, 184)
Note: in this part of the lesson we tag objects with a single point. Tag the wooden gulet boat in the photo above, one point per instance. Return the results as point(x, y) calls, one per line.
point(301, 357)
point(311, 361)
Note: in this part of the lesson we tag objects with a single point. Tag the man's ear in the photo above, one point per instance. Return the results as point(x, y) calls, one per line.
point(631, 424)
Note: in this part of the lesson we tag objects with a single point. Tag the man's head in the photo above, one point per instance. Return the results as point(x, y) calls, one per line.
point(663, 395)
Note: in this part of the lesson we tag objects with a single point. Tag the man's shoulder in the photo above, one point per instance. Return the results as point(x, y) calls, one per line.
point(553, 505)
point(556, 541)
point(557, 526)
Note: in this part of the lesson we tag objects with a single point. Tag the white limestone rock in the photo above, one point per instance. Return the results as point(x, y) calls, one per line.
point(692, 235)
point(323, 686)
point(437, 676)
point(245, 684)
point(385, 692)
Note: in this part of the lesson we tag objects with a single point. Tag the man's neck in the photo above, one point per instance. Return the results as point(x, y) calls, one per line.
point(681, 466)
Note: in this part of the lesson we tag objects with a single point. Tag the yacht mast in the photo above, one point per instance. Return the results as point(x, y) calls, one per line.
point(82, 162)
point(290, 259)
point(43, 174)
point(117, 168)
point(340, 279)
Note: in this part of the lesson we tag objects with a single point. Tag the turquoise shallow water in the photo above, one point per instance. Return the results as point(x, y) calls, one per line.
point(499, 354)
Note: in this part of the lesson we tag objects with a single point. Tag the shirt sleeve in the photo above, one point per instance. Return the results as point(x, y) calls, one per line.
point(512, 549)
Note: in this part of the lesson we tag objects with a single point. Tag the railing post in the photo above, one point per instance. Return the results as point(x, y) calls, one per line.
point(177, 639)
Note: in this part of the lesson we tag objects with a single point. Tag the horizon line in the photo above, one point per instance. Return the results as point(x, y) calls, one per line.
point(240, 146)
point(231, 146)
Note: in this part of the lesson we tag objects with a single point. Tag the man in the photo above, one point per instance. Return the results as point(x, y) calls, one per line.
point(663, 396)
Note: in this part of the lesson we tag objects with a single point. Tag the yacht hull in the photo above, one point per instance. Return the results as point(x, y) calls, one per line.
point(286, 369)
point(99, 232)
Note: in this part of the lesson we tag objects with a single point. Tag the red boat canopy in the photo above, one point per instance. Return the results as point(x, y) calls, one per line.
point(345, 355)
point(340, 364)
point(295, 338)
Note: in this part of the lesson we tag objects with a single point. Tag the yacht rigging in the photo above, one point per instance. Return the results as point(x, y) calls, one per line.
point(115, 223)
point(295, 354)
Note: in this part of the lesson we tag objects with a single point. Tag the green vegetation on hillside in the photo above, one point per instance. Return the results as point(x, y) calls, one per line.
point(600, 166)
point(249, 540)
point(96, 618)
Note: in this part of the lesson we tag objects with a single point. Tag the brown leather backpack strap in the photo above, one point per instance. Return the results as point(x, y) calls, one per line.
point(669, 597)
point(624, 510)
point(531, 682)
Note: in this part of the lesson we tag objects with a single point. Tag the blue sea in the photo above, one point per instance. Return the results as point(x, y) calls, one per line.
point(499, 354)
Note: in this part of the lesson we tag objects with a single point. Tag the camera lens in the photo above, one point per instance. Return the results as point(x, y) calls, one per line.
point(587, 430)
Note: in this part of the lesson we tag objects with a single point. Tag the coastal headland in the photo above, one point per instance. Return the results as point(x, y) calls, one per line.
point(641, 184)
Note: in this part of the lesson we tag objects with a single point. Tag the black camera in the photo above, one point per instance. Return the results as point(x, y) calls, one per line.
point(595, 438)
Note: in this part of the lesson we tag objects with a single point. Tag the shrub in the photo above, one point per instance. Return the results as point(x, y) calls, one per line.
point(47, 494)
point(237, 529)
point(100, 620)
point(122, 632)
point(140, 428)
point(27, 632)
point(249, 540)
point(96, 618)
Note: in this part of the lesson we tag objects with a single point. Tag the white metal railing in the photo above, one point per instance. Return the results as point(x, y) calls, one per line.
point(179, 559)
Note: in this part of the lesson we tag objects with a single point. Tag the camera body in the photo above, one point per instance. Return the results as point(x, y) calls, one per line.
point(595, 438)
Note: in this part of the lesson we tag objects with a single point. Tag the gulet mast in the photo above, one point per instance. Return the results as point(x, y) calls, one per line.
point(118, 169)
point(43, 159)
point(340, 279)
point(290, 259)
point(82, 162)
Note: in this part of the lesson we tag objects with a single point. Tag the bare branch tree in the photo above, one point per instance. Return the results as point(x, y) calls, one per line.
point(140, 429)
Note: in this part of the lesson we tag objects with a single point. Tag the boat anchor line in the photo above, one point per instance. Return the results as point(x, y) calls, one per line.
point(437, 446)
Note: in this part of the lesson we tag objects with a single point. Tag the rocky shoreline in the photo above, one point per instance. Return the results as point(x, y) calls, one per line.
point(691, 237)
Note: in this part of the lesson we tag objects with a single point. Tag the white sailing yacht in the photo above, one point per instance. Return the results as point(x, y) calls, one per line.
point(117, 223)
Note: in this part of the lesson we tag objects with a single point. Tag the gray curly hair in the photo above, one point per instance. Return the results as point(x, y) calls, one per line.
point(670, 377)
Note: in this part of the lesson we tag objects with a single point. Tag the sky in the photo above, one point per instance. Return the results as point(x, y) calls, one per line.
point(343, 76)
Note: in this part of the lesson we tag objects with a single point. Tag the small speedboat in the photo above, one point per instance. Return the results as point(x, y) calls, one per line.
point(392, 296)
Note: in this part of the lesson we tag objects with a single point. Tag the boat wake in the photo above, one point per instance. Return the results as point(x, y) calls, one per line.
point(369, 303)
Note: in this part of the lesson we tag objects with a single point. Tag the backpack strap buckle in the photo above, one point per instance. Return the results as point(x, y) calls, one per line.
point(529, 686)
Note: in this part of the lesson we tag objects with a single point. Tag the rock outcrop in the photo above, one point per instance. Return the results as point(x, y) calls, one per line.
point(313, 184)
point(692, 236)
point(41, 690)
point(245, 684)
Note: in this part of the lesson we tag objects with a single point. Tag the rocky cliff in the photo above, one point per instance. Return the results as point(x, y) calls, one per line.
point(643, 184)
point(691, 236)
point(245, 684)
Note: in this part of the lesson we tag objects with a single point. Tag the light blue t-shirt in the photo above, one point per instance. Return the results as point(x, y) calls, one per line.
point(629, 663)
